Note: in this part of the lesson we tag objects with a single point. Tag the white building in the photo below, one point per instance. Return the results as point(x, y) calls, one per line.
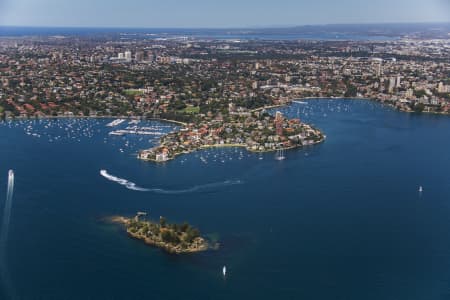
point(409, 93)
point(442, 88)
point(128, 55)
point(399, 82)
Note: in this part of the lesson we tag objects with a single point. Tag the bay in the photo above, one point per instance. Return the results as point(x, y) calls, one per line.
point(339, 220)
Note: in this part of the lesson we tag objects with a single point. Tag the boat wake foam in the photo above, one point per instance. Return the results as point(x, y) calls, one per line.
point(6, 214)
point(128, 184)
point(132, 186)
point(5, 279)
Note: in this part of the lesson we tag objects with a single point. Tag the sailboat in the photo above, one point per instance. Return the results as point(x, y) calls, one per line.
point(224, 271)
point(420, 189)
point(280, 154)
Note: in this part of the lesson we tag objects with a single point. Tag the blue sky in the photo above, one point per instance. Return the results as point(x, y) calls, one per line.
point(211, 13)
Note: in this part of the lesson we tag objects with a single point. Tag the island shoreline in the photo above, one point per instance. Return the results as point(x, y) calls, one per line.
point(197, 244)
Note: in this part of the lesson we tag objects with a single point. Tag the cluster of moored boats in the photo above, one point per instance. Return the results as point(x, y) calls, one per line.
point(136, 130)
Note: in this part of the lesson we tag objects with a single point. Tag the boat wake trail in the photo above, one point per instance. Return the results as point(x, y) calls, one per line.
point(7, 212)
point(128, 184)
point(197, 187)
point(5, 279)
point(132, 186)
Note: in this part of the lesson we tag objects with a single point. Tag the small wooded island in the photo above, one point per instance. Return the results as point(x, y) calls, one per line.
point(171, 237)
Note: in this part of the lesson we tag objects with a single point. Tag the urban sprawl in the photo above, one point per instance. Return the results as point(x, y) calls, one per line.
point(218, 90)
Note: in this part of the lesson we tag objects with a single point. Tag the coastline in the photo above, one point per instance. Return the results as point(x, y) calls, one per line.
point(197, 244)
point(270, 107)
point(383, 102)
point(289, 102)
point(94, 117)
point(166, 247)
point(292, 100)
point(203, 147)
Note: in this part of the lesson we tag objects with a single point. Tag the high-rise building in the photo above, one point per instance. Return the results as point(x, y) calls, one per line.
point(279, 116)
point(378, 69)
point(392, 81)
point(139, 56)
point(398, 83)
point(128, 55)
point(409, 93)
point(150, 56)
point(279, 123)
point(442, 88)
point(376, 65)
point(382, 85)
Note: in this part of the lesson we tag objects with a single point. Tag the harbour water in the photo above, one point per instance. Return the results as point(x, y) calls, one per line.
point(356, 33)
point(339, 220)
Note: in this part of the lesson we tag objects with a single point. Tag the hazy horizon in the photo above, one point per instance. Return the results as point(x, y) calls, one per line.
point(230, 14)
point(287, 26)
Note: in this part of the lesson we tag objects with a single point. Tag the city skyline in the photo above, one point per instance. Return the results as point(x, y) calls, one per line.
point(230, 14)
